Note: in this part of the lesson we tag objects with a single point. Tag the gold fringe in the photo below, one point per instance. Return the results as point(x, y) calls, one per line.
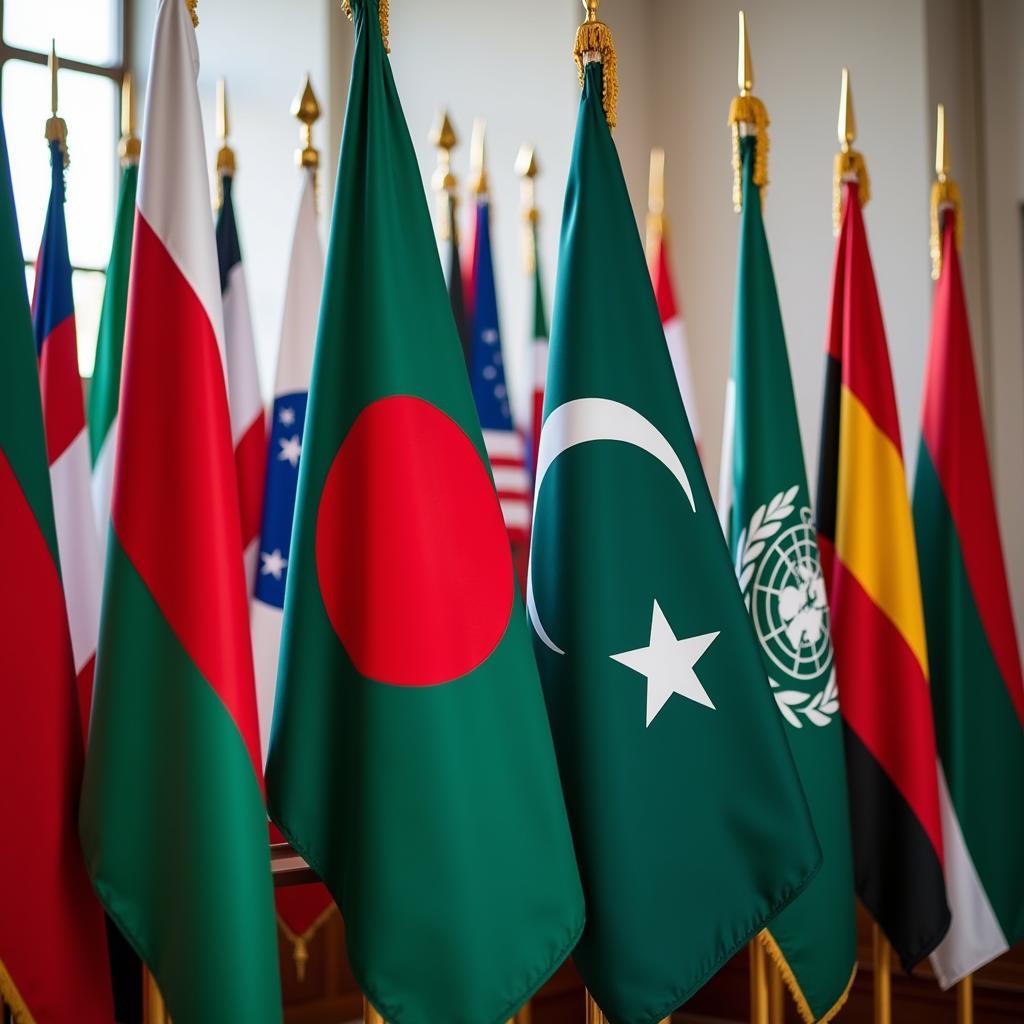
point(300, 943)
point(748, 110)
point(849, 164)
point(385, 19)
point(944, 194)
point(192, 10)
point(803, 1007)
point(12, 997)
point(596, 37)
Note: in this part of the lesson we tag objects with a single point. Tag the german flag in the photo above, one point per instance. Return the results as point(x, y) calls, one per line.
point(866, 537)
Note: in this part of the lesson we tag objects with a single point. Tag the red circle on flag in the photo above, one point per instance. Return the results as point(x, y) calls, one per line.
point(412, 555)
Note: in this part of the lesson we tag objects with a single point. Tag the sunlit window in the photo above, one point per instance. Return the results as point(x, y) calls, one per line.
point(90, 41)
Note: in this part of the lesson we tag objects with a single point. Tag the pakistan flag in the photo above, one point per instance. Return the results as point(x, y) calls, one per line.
point(768, 522)
point(690, 824)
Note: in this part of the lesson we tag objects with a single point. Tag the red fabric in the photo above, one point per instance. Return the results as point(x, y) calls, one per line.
point(955, 437)
point(419, 594)
point(250, 467)
point(857, 332)
point(661, 278)
point(61, 386)
point(175, 503)
point(52, 937)
point(890, 710)
point(83, 684)
point(299, 906)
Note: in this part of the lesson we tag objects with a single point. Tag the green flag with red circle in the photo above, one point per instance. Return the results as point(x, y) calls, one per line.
point(411, 760)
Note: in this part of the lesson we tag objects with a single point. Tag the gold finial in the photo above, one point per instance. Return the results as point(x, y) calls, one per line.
point(306, 109)
point(444, 182)
point(193, 11)
point(225, 155)
point(385, 20)
point(526, 168)
point(130, 147)
point(945, 196)
point(56, 127)
point(656, 202)
point(594, 43)
point(747, 116)
point(849, 164)
point(478, 184)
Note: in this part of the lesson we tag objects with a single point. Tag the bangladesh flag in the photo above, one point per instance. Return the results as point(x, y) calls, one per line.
point(691, 828)
point(411, 761)
point(978, 698)
point(766, 504)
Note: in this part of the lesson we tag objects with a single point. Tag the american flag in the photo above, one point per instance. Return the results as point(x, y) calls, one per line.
point(505, 445)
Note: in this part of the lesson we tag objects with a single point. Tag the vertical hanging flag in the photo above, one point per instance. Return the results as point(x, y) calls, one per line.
point(690, 824)
point(866, 537)
point(173, 819)
point(410, 761)
point(972, 643)
point(765, 502)
point(106, 379)
point(505, 445)
point(67, 443)
point(668, 309)
point(248, 420)
point(446, 186)
point(53, 956)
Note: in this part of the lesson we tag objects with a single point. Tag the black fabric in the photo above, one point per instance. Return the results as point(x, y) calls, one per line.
point(455, 293)
point(125, 977)
point(229, 250)
point(897, 872)
point(828, 451)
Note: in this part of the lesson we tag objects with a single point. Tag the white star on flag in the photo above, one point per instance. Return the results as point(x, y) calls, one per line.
point(273, 564)
point(286, 417)
point(668, 663)
point(291, 449)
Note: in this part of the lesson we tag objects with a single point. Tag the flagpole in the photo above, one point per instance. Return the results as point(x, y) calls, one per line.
point(883, 977)
point(965, 1000)
point(758, 983)
point(370, 1015)
point(153, 1009)
point(776, 1007)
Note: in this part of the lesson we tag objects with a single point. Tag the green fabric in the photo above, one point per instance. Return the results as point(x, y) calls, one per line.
point(434, 813)
point(979, 735)
point(106, 378)
point(770, 501)
point(21, 412)
point(172, 818)
point(693, 831)
point(540, 320)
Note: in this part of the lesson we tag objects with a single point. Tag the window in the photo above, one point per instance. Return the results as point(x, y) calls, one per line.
point(91, 40)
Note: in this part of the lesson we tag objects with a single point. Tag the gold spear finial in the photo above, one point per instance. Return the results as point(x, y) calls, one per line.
point(478, 184)
point(849, 164)
point(594, 43)
point(526, 168)
point(130, 146)
point(945, 195)
point(655, 202)
point(306, 110)
point(56, 127)
point(444, 182)
point(747, 116)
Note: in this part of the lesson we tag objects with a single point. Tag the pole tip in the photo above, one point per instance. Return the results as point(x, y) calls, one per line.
point(941, 144)
point(477, 156)
point(744, 65)
point(847, 124)
point(526, 162)
point(442, 133)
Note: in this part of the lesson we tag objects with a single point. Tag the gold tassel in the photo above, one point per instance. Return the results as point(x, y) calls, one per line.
point(849, 164)
point(385, 20)
point(192, 5)
point(596, 37)
point(748, 110)
point(944, 194)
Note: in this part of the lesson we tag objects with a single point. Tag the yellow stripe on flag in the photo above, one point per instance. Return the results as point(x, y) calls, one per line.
point(874, 529)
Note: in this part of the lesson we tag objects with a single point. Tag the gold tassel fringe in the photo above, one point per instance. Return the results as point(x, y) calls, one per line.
point(193, 12)
point(849, 165)
point(748, 110)
point(10, 995)
point(385, 20)
point(773, 950)
point(596, 37)
point(944, 194)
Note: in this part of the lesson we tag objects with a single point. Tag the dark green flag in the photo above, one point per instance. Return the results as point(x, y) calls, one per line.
point(691, 827)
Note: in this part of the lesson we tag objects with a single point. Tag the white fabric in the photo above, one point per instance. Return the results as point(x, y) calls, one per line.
point(675, 338)
point(504, 444)
point(174, 183)
point(266, 622)
point(974, 937)
point(540, 364)
point(103, 489)
point(240, 349)
point(78, 546)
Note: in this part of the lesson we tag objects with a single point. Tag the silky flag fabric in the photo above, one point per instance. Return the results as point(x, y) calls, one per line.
point(506, 447)
point(675, 332)
point(690, 824)
point(106, 379)
point(173, 820)
point(248, 419)
point(452, 265)
point(770, 529)
point(53, 954)
point(866, 538)
point(67, 443)
point(539, 348)
point(411, 761)
point(972, 648)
